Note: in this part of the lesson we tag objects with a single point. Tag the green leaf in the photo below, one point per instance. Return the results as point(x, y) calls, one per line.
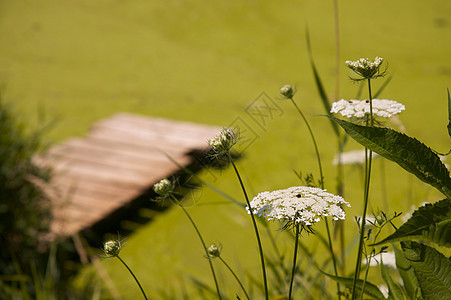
point(430, 222)
point(432, 270)
point(408, 152)
point(370, 289)
point(407, 274)
point(395, 291)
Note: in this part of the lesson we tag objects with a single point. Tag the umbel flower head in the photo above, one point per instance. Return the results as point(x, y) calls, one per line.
point(366, 68)
point(298, 204)
point(164, 188)
point(361, 108)
point(112, 248)
point(223, 142)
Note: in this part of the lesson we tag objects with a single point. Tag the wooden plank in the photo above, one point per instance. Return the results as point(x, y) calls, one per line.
point(108, 174)
point(120, 159)
point(156, 135)
point(97, 158)
point(104, 146)
point(110, 144)
point(191, 130)
point(98, 200)
point(65, 187)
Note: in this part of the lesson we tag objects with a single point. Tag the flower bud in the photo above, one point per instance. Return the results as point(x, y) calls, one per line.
point(287, 91)
point(366, 68)
point(164, 188)
point(214, 251)
point(112, 248)
point(224, 141)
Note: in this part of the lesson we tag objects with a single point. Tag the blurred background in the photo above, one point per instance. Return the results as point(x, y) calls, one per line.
point(75, 62)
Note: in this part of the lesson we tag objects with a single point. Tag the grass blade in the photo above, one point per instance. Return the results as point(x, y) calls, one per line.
point(319, 85)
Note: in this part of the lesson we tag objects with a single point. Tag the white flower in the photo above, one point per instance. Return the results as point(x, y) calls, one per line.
point(299, 204)
point(352, 157)
point(365, 67)
point(359, 108)
point(224, 141)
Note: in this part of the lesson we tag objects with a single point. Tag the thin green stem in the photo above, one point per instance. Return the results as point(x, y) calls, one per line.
point(318, 158)
point(236, 277)
point(331, 250)
point(254, 223)
point(340, 191)
point(368, 162)
point(203, 244)
point(367, 269)
point(295, 254)
point(136, 279)
point(314, 143)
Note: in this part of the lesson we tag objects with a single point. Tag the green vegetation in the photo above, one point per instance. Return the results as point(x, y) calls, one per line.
point(24, 207)
point(80, 61)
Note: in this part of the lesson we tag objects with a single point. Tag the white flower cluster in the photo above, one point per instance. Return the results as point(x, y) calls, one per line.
point(299, 204)
point(365, 67)
point(352, 157)
point(224, 141)
point(359, 108)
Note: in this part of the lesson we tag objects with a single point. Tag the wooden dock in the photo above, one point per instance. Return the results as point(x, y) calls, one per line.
point(121, 158)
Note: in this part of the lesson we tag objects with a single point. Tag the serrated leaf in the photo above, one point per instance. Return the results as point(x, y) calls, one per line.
point(370, 289)
point(405, 269)
point(394, 290)
point(430, 222)
point(432, 270)
point(408, 152)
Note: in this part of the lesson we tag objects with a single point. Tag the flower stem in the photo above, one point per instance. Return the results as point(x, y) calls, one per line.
point(314, 143)
point(203, 244)
point(318, 158)
point(368, 162)
point(293, 270)
point(367, 269)
point(136, 279)
point(236, 277)
point(254, 223)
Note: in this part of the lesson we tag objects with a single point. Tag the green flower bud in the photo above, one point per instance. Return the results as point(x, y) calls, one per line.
point(366, 68)
point(214, 251)
point(112, 248)
point(223, 142)
point(287, 91)
point(164, 188)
